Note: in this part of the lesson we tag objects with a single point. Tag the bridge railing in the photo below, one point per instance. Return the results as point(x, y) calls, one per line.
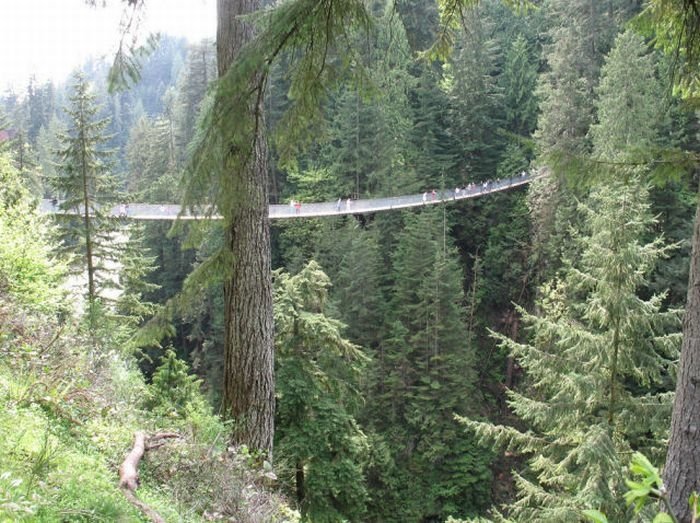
point(144, 211)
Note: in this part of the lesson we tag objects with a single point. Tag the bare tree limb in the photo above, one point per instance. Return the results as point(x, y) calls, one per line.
point(129, 470)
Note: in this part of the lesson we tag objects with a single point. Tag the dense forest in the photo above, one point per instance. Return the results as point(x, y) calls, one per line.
point(512, 357)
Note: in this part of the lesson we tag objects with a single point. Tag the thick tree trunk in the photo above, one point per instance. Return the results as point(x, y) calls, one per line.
point(249, 383)
point(682, 470)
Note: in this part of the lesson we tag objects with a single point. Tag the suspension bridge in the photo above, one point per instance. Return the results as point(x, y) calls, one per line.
point(294, 209)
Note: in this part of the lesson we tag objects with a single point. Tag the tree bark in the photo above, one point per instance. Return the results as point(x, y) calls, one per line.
point(249, 383)
point(129, 471)
point(682, 471)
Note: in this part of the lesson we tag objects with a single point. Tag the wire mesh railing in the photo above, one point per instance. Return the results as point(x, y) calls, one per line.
point(342, 206)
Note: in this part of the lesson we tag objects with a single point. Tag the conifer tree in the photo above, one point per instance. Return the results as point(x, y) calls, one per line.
point(199, 71)
point(431, 152)
point(581, 32)
point(631, 106)
point(86, 187)
point(518, 82)
point(367, 146)
point(46, 146)
point(476, 102)
point(425, 375)
point(318, 375)
point(358, 290)
point(137, 263)
point(597, 367)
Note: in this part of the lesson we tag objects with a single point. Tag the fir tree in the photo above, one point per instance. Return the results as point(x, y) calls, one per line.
point(518, 82)
point(476, 103)
point(581, 33)
point(359, 291)
point(318, 375)
point(631, 105)
point(137, 264)
point(199, 71)
point(598, 368)
point(425, 375)
point(87, 188)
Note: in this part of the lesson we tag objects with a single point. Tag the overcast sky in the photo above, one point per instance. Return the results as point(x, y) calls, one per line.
point(49, 38)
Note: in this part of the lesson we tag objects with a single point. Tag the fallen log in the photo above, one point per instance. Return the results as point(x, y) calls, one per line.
point(129, 470)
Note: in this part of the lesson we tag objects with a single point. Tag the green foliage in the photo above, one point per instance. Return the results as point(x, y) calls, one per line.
point(14, 505)
point(580, 32)
point(675, 26)
point(424, 372)
point(87, 189)
point(68, 412)
point(29, 270)
point(308, 36)
point(598, 365)
point(646, 487)
point(132, 307)
point(317, 394)
point(477, 113)
point(631, 107)
point(127, 63)
point(173, 390)
point(518, 81)
point(452, 16)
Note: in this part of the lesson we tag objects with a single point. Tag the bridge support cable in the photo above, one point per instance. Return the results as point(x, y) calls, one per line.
point(146, 211)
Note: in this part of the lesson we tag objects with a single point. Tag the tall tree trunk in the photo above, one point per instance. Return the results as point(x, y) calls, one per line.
point(249, 383)
point(92, 291)
point(682, 470)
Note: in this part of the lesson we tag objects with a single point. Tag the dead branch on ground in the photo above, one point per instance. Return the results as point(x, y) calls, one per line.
point(129, 470)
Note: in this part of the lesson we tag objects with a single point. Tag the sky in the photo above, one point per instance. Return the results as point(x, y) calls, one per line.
point(50, 38)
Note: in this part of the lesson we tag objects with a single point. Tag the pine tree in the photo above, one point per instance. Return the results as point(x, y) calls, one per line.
point(476, 103)
point(631, 106)
point(581, 33)
point(86, 187)
point(318, 375)
point(518, 81)
point(358, 290)
point(199, 71)
point(598, 368)
point(424, 375)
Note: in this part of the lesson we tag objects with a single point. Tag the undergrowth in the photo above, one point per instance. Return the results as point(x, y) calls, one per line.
point(71, 400)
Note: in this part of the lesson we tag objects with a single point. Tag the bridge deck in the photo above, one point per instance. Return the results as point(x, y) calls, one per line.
point(146, 211)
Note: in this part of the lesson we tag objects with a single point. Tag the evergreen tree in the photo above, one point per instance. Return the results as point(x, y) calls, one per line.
point(87, 188)
point(476, 103)
point(318, 375)
point(431, 152)
point(631, 105)
point(368, 136)
point(137, 264)
point(581, 32)
point(40, 103)
point(46, 145)
point(151, 159)
point(199, 71)
point(598, 368)
point(518, 83)
point(358, 291)
point(424, 375)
